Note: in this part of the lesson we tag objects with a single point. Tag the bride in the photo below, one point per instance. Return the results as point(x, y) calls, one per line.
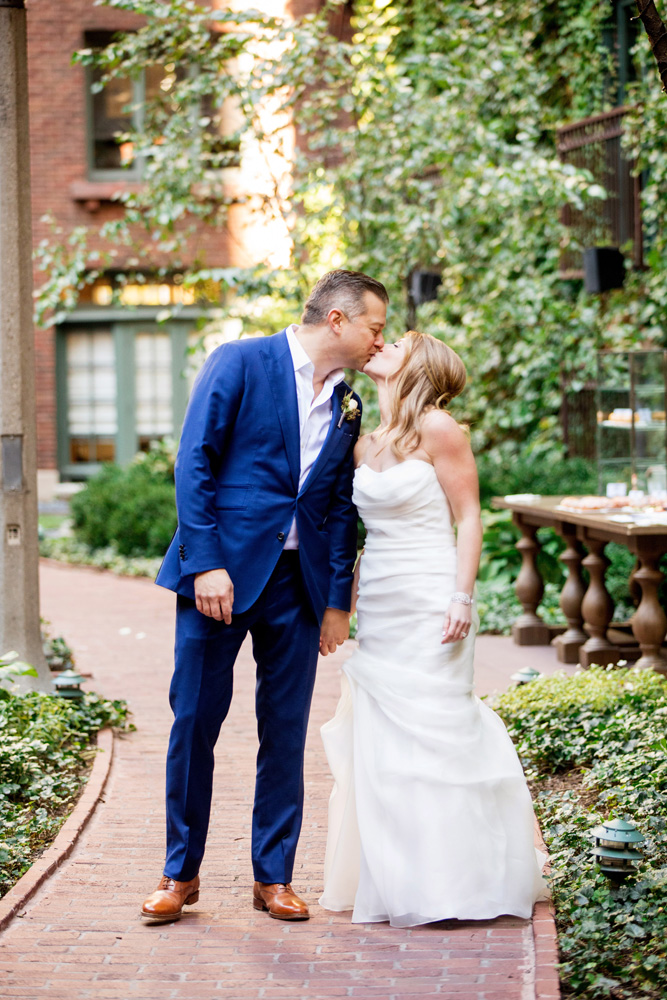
point(430, 816)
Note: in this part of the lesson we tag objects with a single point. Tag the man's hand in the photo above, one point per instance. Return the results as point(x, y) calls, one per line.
point(335, 630)
point(214, 594)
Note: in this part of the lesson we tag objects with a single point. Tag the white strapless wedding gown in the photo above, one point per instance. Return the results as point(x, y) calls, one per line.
point(430, 816)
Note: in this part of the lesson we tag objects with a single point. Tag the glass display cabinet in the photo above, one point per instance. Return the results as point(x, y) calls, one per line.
point(631, 402)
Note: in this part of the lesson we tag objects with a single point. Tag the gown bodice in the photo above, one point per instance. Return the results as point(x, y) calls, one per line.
point(403, 505)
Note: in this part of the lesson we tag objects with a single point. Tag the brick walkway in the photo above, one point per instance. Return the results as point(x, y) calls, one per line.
point(81, 937)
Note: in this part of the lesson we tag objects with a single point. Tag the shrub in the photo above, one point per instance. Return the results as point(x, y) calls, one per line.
point(132, 509)
point(593, 747)
point(498, 477)
point(93, 506)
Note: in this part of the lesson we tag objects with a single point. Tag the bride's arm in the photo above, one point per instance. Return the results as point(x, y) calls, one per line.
point(454, 463)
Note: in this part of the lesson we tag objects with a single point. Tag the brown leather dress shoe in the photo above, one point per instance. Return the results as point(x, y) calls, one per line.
point(168, 900)
point(280, 900)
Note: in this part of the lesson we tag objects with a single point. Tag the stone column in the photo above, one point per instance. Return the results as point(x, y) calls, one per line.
point(19, 583)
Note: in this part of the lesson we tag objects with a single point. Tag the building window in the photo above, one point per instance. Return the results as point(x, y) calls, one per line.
point(141, 289)
point(121, 385)
point(110, 120)
point(91, 414)
point(220, 133)
point(116, 109)
point(119, 107)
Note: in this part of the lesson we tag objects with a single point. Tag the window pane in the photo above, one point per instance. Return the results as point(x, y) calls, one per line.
point(222, 143)
point(105, 450)
point(79, 450)
point(153, 384)
point(111, 118)
point(81, 419)
point(77, 386)
point(104, 385)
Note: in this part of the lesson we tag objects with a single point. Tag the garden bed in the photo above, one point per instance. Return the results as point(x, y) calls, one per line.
point(47, 746)
point(593, 747)
point(76, 553)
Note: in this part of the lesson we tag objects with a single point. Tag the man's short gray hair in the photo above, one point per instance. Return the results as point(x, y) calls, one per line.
point(342, 290)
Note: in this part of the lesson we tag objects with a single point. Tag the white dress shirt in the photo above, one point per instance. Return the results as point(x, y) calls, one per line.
point(314, 414)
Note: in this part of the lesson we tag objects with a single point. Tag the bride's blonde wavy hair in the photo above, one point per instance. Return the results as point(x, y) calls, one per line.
point(431, 375)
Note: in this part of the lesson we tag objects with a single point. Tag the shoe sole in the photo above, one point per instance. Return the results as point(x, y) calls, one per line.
point(259, 904)
point(163, 918)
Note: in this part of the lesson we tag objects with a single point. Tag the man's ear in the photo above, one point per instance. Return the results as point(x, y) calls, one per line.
point(335, 319)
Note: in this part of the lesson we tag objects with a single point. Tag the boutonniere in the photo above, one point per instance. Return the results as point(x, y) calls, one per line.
point(349, 408)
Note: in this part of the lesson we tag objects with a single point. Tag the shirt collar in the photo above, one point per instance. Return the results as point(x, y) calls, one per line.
point(300, 358)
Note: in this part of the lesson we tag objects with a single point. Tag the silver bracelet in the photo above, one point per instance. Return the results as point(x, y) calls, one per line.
point(460, 598)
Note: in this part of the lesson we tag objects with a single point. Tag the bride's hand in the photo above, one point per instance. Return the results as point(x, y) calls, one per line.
point(457, 622)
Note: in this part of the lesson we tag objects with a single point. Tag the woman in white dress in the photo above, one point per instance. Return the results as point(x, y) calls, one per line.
point(430, 816)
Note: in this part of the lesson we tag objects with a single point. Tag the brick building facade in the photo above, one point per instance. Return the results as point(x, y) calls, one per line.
point(109, 379)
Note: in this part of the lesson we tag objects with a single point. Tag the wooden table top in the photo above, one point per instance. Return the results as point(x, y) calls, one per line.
point(547, 509)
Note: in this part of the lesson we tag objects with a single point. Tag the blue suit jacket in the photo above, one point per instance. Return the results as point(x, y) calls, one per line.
point(237, 481)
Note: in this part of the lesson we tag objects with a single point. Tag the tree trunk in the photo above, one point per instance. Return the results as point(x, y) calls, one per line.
point(657, 33)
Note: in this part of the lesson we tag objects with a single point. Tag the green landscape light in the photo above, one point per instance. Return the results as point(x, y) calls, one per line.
point(526, 675)
point(612, 847)
point(68, 684)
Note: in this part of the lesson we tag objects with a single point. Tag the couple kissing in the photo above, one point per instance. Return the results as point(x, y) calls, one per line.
point(430, 816)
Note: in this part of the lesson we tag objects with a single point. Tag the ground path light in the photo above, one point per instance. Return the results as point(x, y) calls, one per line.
point(613, 850)
point(68, 684)
point(526, 675)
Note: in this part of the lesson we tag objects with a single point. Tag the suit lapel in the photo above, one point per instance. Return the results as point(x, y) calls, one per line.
point(280, 372)
point(332, 435)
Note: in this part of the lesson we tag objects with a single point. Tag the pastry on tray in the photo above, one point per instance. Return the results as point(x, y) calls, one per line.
point(595, 503)
point(592, 503)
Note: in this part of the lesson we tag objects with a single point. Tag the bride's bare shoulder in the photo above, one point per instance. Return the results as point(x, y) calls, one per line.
point(440, 430)
point(439, 422)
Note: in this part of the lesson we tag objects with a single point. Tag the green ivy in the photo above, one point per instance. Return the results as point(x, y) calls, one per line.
point(428, 140)
point(599, 734)
point(46, 748)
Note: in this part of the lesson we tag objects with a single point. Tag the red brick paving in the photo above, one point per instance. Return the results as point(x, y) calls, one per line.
point(81, 937)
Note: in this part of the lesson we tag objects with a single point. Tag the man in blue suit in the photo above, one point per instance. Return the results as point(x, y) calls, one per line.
point(266, 544)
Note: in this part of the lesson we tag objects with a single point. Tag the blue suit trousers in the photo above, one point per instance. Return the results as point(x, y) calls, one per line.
point(285, 636)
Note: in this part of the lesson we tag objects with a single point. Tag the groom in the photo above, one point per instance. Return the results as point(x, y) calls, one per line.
point(265, 544)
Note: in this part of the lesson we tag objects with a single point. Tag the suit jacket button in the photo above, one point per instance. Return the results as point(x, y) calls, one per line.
point(281, 536)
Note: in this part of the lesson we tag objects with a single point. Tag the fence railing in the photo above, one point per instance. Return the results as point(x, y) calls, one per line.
point(595, 144)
